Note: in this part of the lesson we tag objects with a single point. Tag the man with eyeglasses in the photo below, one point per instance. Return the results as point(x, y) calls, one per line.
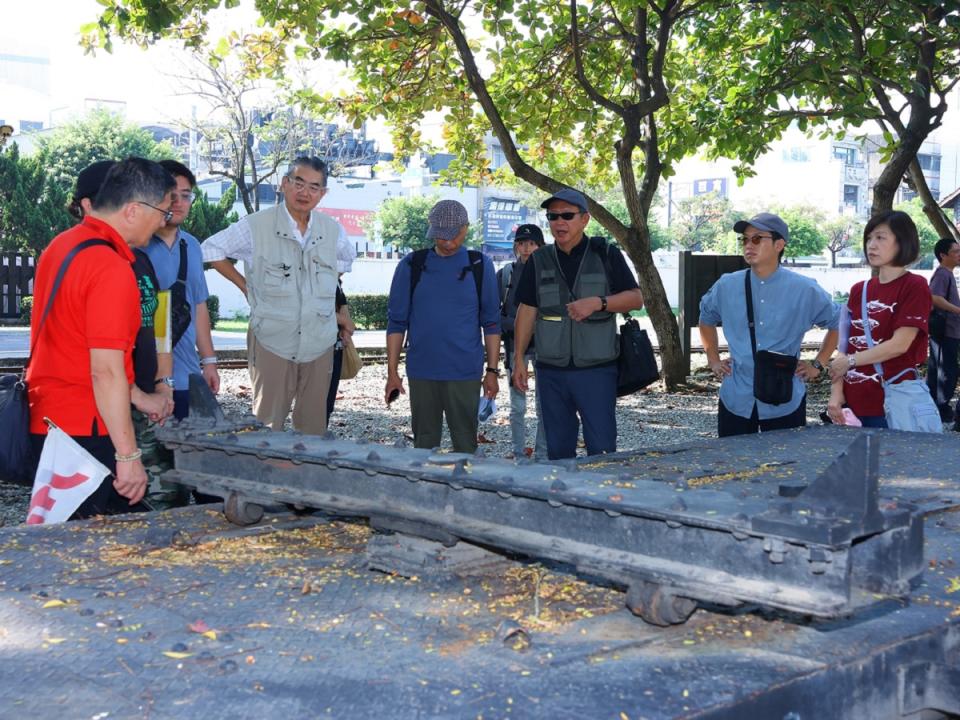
point(568, 297)
point(81, 373)
point(785, 306)
point(178, 262)
point(290, 279)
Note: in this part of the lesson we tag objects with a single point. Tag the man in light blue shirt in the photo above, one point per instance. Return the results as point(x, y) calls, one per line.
point(785, 306)
point(165, 250)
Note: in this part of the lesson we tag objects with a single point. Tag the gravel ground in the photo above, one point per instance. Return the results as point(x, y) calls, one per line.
point(651, 418)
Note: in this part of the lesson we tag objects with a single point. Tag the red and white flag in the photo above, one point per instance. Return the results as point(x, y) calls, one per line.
point(66, 476)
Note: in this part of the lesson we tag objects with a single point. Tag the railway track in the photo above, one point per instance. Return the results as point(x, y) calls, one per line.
point(371, 356)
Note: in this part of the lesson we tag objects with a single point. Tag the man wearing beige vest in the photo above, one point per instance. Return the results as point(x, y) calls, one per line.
point(290, 279)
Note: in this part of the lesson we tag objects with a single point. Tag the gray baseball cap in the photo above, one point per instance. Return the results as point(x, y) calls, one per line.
point(765, 221)
point(446, 218)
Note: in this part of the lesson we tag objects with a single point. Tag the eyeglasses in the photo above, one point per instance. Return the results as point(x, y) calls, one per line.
point(300, 184)
point(186, 197)
point(754, 239)
point(167, 214)
point(551, 216)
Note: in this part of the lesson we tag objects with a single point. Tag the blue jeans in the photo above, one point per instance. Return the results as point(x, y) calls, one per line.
point(568, 397)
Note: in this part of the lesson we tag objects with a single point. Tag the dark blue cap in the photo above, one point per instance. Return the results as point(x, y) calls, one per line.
point(574, 197)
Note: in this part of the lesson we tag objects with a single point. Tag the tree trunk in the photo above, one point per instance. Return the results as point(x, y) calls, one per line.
point(658, 308)
point(931, 208)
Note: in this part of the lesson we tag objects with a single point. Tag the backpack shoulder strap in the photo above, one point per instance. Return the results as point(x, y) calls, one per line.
point(505, 277)
point(476, 265)
point(418, 261)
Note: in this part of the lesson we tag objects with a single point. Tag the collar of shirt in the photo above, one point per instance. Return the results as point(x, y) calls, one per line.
point(100, 229)
point(301, 237)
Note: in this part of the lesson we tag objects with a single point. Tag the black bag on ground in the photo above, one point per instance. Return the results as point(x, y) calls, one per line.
point(16, 451)
point(772, 371)
point(636, 365)
point(180, 315)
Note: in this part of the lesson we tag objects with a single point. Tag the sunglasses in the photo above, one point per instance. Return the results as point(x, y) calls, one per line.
point(551, 216)
point(754, 239)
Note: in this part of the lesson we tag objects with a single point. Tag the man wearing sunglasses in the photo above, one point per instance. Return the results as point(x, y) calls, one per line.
point(568, 296)
point(290, 280)
point(785, 306)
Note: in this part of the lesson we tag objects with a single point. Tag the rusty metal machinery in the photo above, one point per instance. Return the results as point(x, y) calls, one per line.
point(823, 547)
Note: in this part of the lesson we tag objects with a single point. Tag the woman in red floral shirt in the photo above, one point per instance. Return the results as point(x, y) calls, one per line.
point(898, 308)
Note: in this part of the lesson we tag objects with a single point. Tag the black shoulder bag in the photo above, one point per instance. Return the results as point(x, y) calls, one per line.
point(17, 463)
point(772, 371)
point(636, 363)
point(180, 315)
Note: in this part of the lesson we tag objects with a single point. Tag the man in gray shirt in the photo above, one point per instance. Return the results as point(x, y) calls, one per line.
point(785, 306)
point(942, 361)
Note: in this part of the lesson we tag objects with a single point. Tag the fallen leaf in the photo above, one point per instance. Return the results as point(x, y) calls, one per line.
point(211, 634)
point(53, 604)
point(55, 641)
point(198, 626)
point(177, 655)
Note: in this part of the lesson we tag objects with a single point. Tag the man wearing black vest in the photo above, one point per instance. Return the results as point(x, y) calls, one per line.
point(569, 295)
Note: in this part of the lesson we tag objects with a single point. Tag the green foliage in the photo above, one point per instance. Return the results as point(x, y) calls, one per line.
point(32, 207)
point(369, 311)
point(213, 307)
point(842, 233)
point(402, 223)
point(26, 309)
point(925, 230)
point(701, 222)
point(99, 135)
point(806, 230)
point(208, 218)
point(614, 202)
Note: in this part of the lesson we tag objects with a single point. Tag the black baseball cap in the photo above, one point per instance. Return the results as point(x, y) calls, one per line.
point(529, 232)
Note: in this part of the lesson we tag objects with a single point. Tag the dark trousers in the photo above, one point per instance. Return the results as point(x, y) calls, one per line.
point(181, 404)
point(942, 374)
point(181, 409)
point(457, 400)
point(569, 397)
point(729, 424)
point(334, 379)
point(105, 500)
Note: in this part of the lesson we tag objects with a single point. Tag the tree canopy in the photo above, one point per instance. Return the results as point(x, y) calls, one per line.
point(98, 135)
point(606, 94)
point(33, 208)
point(402, 223)
point(207, 218)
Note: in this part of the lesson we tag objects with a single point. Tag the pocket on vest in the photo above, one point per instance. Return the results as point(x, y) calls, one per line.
point(595, 342)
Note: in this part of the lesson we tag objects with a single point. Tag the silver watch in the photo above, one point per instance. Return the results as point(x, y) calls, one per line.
point(168, 381)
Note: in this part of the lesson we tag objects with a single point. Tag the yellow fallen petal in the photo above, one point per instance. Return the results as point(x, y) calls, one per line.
point(53, 603)
point(55, 641)
point(177, 655)
point(212, 634)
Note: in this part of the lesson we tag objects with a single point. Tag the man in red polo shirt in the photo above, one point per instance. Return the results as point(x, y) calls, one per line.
point(81, 370)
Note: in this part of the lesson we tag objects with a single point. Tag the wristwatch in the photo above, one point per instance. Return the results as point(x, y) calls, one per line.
point(603, 303)
point(168, 381)
point(817, 364)
point(851, 362)
point(493, 370)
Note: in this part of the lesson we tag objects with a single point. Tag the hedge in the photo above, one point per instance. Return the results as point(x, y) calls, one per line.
point(369, 311)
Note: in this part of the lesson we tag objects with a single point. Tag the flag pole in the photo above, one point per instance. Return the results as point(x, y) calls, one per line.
point(50, 423)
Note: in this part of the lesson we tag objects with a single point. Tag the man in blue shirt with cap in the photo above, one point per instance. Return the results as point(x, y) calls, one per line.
point(444, 301)
point(785, 305)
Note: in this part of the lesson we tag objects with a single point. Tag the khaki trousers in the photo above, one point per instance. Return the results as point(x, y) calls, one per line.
point(278, 383)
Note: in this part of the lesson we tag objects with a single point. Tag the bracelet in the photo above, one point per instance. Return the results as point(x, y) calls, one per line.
point(212, 360)
point(493, 370)
point(851, 362)
point(128, 458)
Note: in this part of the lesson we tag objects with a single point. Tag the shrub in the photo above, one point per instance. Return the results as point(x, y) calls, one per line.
point(213, 307)
point(26, 309)
point(369, 311)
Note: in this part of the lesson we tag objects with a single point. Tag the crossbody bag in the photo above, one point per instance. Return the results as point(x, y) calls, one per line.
point(772, 371)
